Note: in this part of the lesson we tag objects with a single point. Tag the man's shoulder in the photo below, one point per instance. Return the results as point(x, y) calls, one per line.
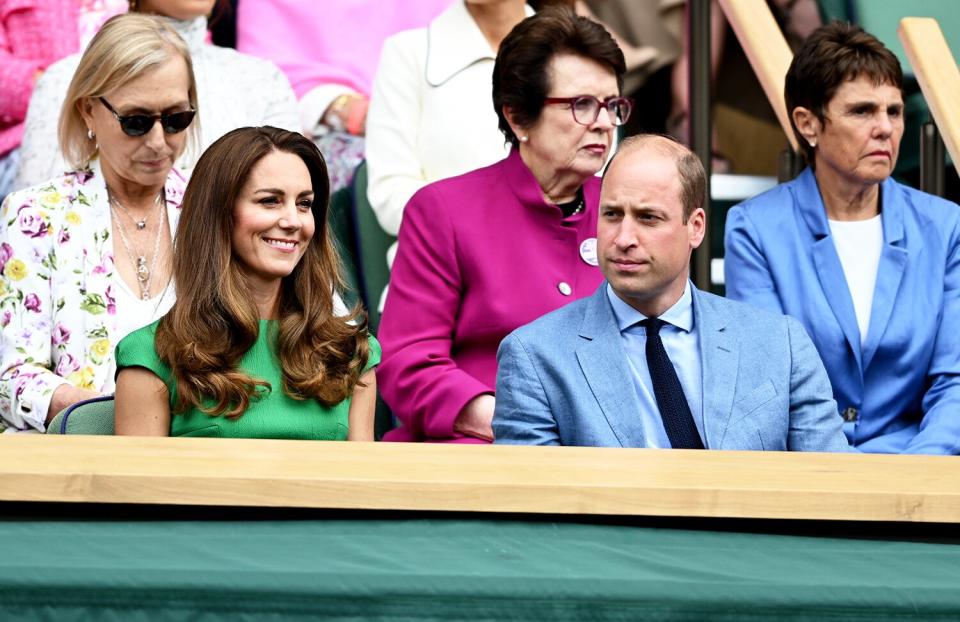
point(752, 320)
point(554, 328)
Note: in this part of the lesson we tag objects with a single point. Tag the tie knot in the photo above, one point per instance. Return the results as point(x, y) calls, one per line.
point(653, 326)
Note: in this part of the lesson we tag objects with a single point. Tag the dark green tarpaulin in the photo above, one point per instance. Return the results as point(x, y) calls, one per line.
point(448, 569)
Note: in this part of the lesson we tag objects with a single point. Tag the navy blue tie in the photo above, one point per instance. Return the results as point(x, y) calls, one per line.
point(674, 409)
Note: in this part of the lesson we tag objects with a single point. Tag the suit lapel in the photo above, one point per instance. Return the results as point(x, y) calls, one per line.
point(893, 263)
point(827, 262)
point(604, 365)
point(720, 358)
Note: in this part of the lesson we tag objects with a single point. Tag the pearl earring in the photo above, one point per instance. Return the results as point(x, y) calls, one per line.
point(813, 144)
point(524, 139)
point(90, 134)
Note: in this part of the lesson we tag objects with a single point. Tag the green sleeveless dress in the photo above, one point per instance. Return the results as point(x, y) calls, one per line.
point(274, 415)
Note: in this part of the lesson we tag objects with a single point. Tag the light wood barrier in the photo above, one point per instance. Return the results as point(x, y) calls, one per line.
point(937, 73)
point(766, 49)
point(556, 480)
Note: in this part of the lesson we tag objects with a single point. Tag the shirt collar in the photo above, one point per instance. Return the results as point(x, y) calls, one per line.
point(679, 315)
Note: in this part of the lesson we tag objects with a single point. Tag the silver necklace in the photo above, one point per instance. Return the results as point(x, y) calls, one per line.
point(141, 224)
point(144, 273)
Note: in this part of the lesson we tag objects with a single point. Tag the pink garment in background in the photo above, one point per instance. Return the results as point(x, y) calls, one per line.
point(34, 34)
point(329, 42)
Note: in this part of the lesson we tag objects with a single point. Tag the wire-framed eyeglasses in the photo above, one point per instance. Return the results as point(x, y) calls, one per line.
point(586, 108)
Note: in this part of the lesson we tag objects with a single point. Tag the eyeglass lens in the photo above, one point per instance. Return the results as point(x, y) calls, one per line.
point(140, 124)
point(587, 109)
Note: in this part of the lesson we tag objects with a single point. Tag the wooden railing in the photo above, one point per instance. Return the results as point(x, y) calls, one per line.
point(766, 49)
point(936, 71)
point(551, 480)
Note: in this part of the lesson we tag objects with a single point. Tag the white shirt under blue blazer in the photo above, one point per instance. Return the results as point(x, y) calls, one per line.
point(898, 390)
point(564, 379)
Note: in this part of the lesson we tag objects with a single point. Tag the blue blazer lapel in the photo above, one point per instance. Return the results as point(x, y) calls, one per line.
point(827, 262)
point(604, 364)
point(720, 358)
point(893, 263)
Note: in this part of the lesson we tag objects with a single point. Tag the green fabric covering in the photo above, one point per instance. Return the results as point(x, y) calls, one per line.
point(372, 244)
point(340, 221)
point(474, 570)
point(274, 415)
point(93, 416)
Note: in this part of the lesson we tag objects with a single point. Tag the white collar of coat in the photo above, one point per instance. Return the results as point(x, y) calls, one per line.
point(454, 42)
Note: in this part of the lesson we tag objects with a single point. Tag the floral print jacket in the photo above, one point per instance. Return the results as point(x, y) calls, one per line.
point(57, 309)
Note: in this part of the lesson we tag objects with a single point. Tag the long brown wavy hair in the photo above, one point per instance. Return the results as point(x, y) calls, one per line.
point(214, 321)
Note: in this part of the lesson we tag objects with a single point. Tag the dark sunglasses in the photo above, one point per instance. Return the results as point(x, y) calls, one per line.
point(140, 124)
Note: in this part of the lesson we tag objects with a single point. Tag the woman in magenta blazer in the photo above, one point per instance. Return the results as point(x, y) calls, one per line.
point(486, 252)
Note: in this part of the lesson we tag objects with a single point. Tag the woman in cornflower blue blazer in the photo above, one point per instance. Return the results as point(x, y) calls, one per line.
point(869, 266)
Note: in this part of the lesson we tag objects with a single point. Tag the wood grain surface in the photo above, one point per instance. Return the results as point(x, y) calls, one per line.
point(560, 480)
point(936, 71)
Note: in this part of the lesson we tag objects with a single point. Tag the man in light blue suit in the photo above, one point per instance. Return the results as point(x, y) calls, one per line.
point(651, 361)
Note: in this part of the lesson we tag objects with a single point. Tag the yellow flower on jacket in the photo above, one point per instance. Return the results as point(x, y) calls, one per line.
point(100, 349)
point(51, 198)
point(15, 269)
point(73, 218)
point(82, 378)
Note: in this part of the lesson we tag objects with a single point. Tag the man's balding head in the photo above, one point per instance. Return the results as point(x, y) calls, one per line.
point(693, 178)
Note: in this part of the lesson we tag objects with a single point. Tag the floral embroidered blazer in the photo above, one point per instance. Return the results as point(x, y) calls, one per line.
point(57, 306)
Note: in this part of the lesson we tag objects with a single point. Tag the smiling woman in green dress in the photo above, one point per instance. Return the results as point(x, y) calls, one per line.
point(253, 346)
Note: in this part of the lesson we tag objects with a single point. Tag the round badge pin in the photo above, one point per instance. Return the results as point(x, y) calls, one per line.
point(588, 251)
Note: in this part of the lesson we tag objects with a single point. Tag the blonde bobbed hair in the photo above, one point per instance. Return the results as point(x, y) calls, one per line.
point(126, 47)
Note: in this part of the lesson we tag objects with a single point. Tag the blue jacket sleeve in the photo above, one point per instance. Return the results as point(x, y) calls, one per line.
point(940, 427)
point(746, 272)
point(522, 415)
point(815, 423)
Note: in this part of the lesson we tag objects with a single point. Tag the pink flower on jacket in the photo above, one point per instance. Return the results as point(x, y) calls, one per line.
point(32, 303)
point(60, 334)
point(64, 237)
point(31, 223)
point(21, 383)
point(5, 318)
point(111, 301)
point(6, 252)
point(66, 365)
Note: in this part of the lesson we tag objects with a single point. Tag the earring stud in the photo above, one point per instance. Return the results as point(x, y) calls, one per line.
point(90, 134)
point(524, 139)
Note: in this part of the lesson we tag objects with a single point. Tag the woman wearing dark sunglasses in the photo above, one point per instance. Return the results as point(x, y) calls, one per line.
point(484, 253)
point(86, 257)
point(237, 90)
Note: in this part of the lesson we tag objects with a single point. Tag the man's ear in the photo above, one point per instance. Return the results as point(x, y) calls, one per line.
point(697, 227)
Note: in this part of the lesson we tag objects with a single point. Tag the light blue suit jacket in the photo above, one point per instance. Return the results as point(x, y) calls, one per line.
point(564, 379)
point(902, 386)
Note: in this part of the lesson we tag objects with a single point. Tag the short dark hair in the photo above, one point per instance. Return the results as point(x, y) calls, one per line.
point(833, 54)
point(693, 177)
point(520, 72)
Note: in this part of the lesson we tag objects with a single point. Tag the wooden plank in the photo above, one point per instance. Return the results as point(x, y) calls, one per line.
point(766, 49)
point(937, 73)
point(556, 480)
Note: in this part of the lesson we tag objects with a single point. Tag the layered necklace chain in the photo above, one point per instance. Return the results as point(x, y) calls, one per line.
point(144, 272)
